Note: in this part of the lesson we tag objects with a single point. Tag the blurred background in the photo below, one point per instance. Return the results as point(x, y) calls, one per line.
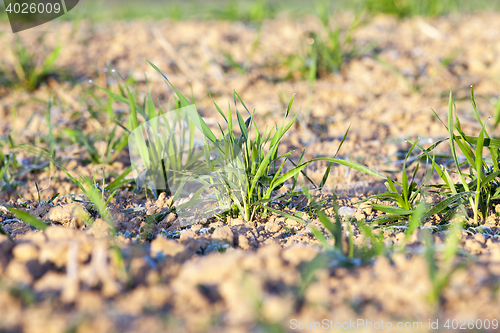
point(247, 10)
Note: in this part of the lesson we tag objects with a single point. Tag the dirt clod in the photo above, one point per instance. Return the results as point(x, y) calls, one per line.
point(72, 215)
point(223, 234)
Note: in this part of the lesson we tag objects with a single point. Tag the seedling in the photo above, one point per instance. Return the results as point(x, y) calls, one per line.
point(28, 72)
point(480, 185)
point(92, 194)
point(346, 253)
point(242, 172)
point(9, 167)
point(325, 55)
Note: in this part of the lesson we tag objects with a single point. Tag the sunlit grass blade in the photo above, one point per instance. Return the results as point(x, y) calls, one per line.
point(442, 205)
point(377, 242)
point(285, 214)
point(335, 229)
point(27, 218)
point(392, 210)
point(183, 100)
point(479, 173)
point(415, 221)
point(119, 181)
point(327, 172)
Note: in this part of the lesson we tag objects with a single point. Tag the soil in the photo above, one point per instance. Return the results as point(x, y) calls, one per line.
point(236, 276)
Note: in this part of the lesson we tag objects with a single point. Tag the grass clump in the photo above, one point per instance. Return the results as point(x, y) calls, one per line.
point(481, 181)
point(343, 248)
point(409, 8)
point(478, 185)
point(27, 70)
point(9, 166)
point(94, 193)
point(237, 171)
point(327, 50)
point(343, 252)
point(256, 170)
point(13, 168)
point(406, 196)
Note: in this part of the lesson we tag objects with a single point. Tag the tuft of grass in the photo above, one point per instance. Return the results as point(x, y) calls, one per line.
point(241, 168)
point(155, 121)
point(478, 186)
point(328, 50)
point(114, 144)
point(481, 184)
point(409, 8)
point(407, 199)
point(344, 249)
point(91, 190)
point(344, 252)
point(28, 71)
point(109, 137)
point(257, 171)
point(10, 168)
point(411, 196)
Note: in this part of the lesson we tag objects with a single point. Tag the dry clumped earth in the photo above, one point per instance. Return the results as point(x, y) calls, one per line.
point(235, 276)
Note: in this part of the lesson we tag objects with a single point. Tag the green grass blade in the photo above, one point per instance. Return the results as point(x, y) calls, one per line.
point(392, 210)
point(52, 141)
point(378, 244)
point(493, 143)
point(183, 100)
point(119, 181)
point(334, 228)
point(285, 214)
point(289, 107)
point(479, 172)
point(27, 218)
point(219, 110)
point(49, 61)
point(241, 101)
point(243, 126)
point(73, 179)
point(451, 135)
point(327, 172)
point(150, 107)
point(438, 208)
point(415, 221)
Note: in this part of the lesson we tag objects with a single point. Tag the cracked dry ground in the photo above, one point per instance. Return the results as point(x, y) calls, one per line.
point(236, 276)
